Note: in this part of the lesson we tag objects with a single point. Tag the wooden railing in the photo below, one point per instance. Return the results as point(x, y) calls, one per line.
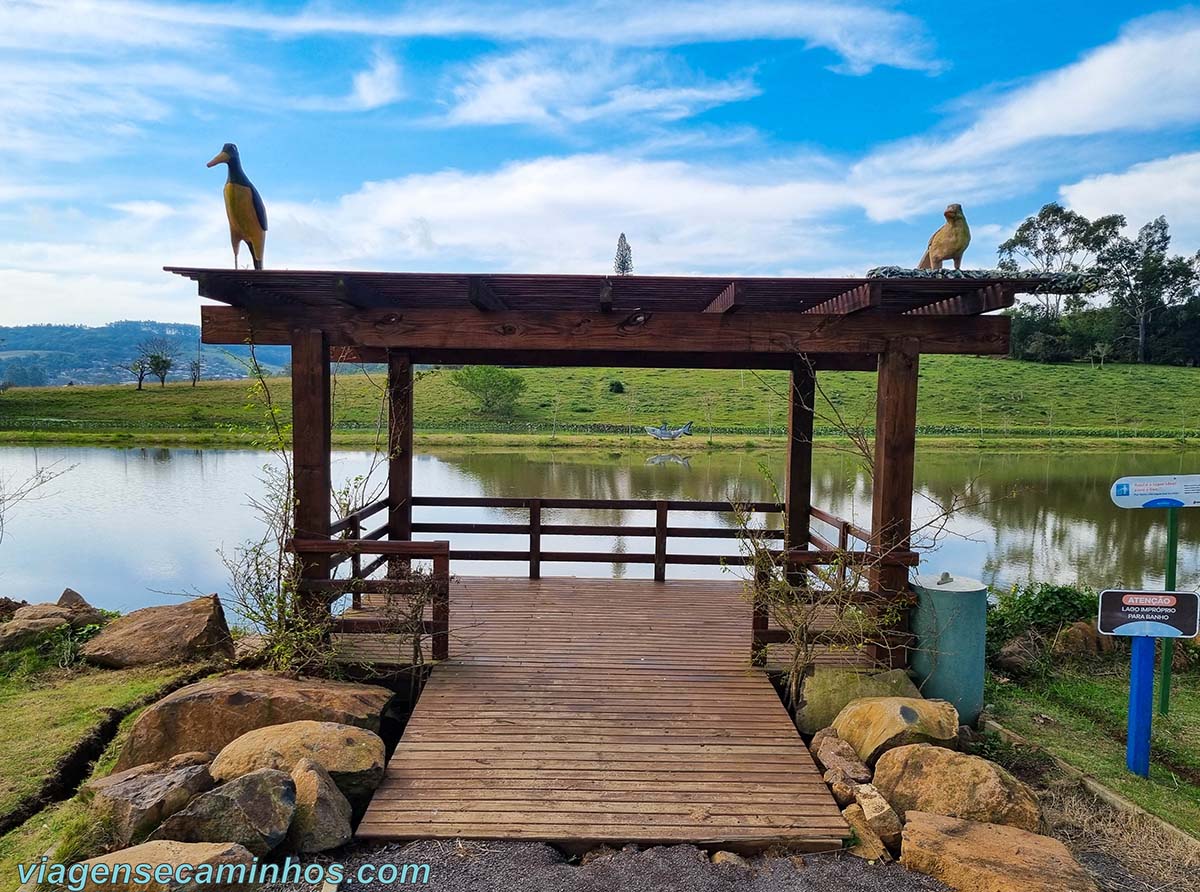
point(844, 546)
point(438, 628)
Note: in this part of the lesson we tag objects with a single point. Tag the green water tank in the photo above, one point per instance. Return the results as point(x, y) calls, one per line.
point(950, 626)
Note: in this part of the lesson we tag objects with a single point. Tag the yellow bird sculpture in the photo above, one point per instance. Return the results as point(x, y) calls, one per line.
point(244, 207)
point(949, 242)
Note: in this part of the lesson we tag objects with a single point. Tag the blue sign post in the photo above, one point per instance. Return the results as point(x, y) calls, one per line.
point(1170, 491)
point(1145, 617)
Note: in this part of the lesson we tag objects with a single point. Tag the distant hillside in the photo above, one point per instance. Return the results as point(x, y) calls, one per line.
point(35, 355)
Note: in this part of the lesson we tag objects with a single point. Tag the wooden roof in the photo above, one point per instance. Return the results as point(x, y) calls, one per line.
point(264, 291)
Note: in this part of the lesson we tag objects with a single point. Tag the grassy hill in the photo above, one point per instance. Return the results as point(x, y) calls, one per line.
point(961, 397)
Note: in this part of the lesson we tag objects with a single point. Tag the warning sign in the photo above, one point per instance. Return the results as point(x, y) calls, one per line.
point(1150, 614)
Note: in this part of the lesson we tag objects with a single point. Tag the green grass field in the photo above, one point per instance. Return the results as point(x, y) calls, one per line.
point(1080, 716)
point(961, 397)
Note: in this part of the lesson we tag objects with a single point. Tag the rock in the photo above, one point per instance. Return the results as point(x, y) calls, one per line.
point(840, 786)
point(353, 756)
point(175, 633)
point(833, 752)
point(1082, 639)
point(879, 816)
point(931, 779)
point(827, 691)
point(322, 819)
point(137, 800)
point(868, 845)
point(228, 863)
point(249, 648)
point(874, 725)
point(597, 854)
point(253, 810)
point(1018, 657)
point(730, 858)
point(32, 620)
point(9, 606)
point(989, 857)
point(821, 735)
point(210, 713)
point(72, 600)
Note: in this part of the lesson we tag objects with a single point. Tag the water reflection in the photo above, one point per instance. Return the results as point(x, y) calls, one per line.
point(127, 525)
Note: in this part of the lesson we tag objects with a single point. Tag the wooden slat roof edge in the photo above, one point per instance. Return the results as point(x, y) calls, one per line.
point(288, 290)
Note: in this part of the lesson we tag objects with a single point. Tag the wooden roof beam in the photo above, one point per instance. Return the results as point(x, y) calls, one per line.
point(982, 300)
point(729, 300)
point(481, 295)
point(861, 297)
point(640, 333)
point(356, 293)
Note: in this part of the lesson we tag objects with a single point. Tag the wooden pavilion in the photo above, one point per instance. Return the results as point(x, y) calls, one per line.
point(548, 717)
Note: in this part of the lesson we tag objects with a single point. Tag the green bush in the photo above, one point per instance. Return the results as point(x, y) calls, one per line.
point(616, 387)
point(494, 389)
point(1041, 607)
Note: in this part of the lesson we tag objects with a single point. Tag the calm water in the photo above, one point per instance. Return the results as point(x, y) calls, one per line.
point(129, 527)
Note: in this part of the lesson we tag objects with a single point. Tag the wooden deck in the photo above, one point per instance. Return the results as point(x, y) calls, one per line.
point(581, 712)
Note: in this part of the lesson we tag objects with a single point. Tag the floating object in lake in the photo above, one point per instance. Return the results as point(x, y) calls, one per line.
point(243, 206)
point(668, 459)
point(663, 432)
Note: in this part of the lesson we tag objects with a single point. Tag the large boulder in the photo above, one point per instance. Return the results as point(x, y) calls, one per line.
point(322, 819)
point(875, 725)
point(137, 800)
point(353, 756)
point(210, 866)
point(1082, 639)
point(989, 857)
point(932, 779)
point(827, 691)
point(174, 633)
point(32, 620)
point(253, 810)
point(209, 714)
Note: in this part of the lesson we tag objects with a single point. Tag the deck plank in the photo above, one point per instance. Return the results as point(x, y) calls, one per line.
point(579, 712)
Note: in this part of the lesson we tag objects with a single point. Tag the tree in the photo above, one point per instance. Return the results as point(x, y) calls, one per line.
point(159, 355)
point(1057, 240)
point(495, 389)
point(1143, 279)
point(623, 262)
point(139, 368)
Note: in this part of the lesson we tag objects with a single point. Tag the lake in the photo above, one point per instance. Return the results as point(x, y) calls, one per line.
point(133, 527)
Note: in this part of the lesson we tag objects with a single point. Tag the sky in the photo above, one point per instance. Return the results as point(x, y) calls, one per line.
point(737, 137)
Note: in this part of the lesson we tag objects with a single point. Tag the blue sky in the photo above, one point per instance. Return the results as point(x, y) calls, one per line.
point(741, 138)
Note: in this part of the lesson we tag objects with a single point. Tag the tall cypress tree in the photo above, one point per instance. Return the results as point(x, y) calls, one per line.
point(623, 262)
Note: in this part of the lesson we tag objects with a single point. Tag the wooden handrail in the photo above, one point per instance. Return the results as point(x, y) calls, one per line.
point(343, 524)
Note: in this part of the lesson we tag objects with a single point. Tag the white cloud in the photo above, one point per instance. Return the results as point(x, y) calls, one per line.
point(1169, 186)
point(1146, 80)
point(559, 87)
point(862, 34)
point(373, 87)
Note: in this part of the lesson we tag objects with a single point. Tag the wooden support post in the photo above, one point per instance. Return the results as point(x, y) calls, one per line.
point(798, 492)
point(892, 490)
point(311, 444)
point(400, 452)
point(355, 532)
point(441, 605)
point(535, 539)
point(660, 540)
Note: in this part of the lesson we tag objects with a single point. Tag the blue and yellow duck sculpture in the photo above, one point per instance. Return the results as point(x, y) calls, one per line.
point(244, 207)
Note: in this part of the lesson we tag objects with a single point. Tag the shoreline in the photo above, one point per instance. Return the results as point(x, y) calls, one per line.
point(699, 444)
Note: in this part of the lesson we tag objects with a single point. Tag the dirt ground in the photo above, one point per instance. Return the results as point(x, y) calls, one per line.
point(535, 867)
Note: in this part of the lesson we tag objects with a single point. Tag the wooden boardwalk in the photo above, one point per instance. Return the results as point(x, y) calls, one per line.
point(581, 712)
